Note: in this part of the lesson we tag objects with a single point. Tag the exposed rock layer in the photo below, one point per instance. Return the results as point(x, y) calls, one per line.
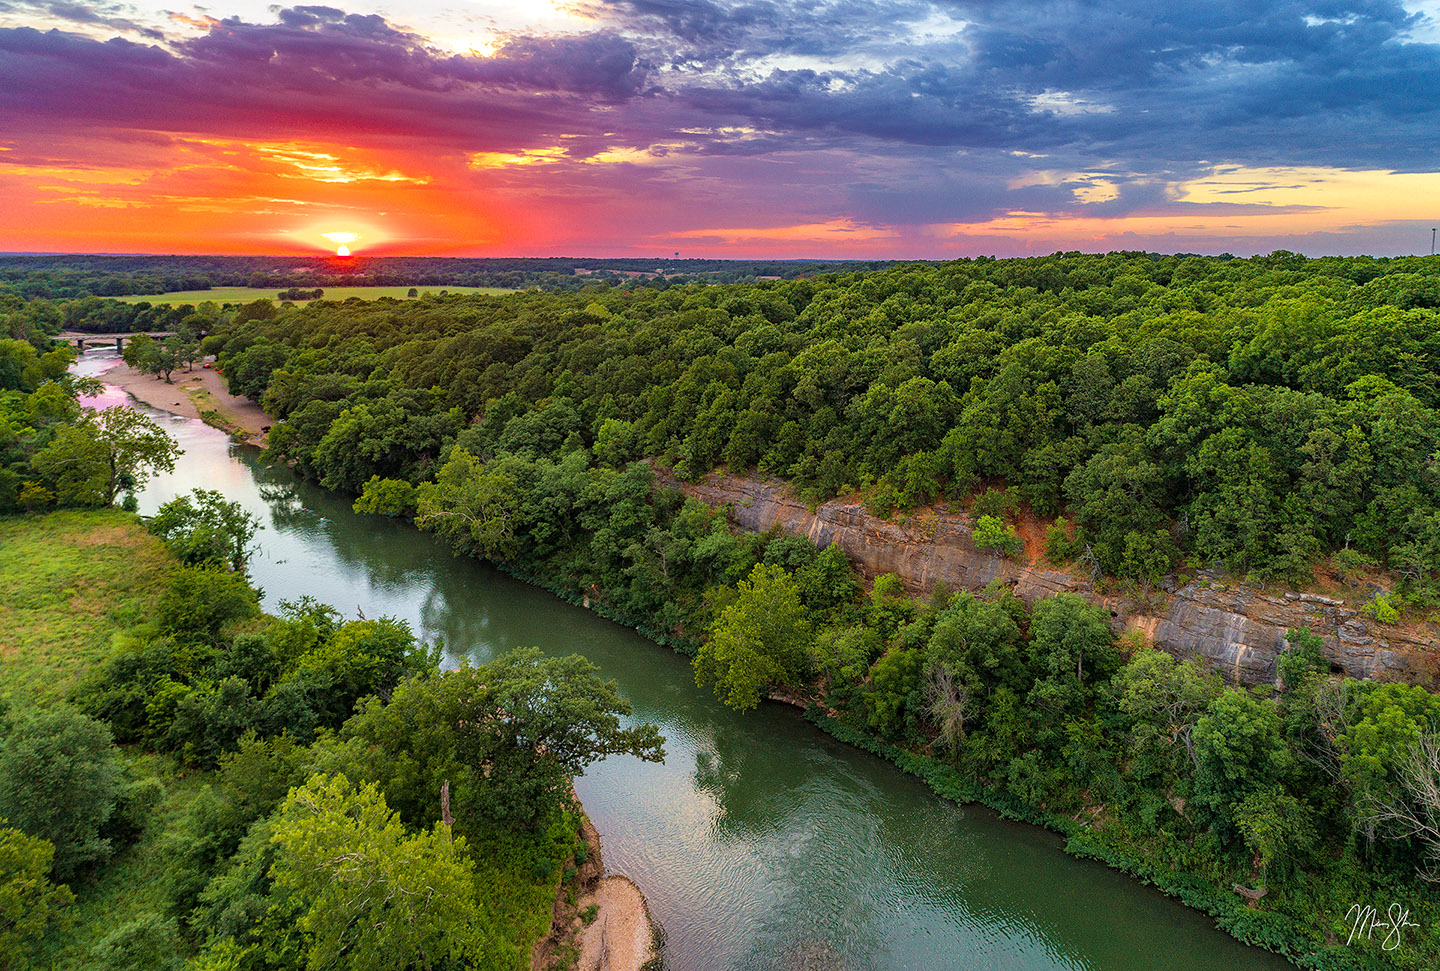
point(1238, 627)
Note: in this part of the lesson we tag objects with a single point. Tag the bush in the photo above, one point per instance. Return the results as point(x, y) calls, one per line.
point(200, 601)
point(61, 780)
point(209, 723)
point(1061, 545)
point(150, 942)
point(1350, 564)
point(994, 534)
point(999, 503)
point(1385, 608)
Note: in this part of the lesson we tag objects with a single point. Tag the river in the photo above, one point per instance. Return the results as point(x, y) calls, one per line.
point(760, 843)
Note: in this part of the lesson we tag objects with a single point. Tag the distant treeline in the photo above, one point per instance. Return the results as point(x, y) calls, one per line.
point(37, 320)
point(64, 276)
point(1259, 415)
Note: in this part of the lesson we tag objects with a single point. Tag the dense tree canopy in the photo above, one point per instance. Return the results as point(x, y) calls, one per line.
point(1256, 414)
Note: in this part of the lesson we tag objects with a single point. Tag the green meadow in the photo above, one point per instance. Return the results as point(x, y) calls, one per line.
point(68, 583)
point(247, 294)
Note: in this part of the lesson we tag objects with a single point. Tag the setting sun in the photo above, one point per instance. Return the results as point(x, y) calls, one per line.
point(341, 239)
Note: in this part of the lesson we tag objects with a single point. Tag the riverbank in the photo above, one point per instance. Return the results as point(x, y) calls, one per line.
point(605, 926)
point(196, 394)
point(1281, 934)
point(619, 935)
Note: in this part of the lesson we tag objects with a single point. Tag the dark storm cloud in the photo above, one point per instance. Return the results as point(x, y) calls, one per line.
point(310, 16)
point(1292, 82)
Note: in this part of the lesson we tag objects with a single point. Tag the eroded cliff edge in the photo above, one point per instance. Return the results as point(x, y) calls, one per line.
point(1238, 627)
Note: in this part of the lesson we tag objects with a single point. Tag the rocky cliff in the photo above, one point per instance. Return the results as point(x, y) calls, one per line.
point(1238, 627)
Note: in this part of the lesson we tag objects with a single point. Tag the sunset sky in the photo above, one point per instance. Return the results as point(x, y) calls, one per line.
point(812, 128)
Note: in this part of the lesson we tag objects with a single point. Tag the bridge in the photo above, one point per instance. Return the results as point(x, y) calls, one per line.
point(83, 340)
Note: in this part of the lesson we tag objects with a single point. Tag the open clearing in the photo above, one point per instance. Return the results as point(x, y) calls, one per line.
point(68, 582)
point(247, 294)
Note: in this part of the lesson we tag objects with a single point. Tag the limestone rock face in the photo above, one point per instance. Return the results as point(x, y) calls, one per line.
point(1239, 628)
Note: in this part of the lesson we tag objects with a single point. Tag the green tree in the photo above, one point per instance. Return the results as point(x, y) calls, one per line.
point(100, 455)
point(1069, 636)
point(386, 497)
point(61, 780)
point(894, 700)
point(200, 601)
point(140, 352)
point(762, 638)
point(992, 533)
point(1387, 723)
point(365, 657)
point(206, 528)
point(980, 643)
point(508, 736)
point(370, 896)
point(1277, 828)
point(166, 356)
point(1238, 752)
point(30, 905)
point(472, 507)
point(1163, 698)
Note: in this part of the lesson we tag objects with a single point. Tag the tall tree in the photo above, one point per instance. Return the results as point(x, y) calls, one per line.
point(103, 454)
point(205, 527)
point(372, 897)
point(759, 639)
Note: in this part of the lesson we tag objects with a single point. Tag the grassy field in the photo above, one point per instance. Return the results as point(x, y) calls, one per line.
point(68, 582)
point(247, 294)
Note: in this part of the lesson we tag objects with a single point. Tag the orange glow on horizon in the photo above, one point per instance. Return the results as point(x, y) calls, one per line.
point(342, 239)
point(193, 194)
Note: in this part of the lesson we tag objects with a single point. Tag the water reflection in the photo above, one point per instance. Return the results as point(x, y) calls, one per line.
point(760, 843)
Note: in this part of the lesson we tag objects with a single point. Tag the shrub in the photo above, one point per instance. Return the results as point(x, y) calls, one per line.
point(149, 942)
point(1061, 545)
point(200, 601)
point(60, 780)
point(1385, 608)
point(995, 534)
point(999, 503)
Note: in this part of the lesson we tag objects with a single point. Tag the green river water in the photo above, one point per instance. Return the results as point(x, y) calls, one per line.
point(760, 843)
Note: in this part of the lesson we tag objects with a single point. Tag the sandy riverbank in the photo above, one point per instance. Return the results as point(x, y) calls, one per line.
point(619, 936)
point(193, 394)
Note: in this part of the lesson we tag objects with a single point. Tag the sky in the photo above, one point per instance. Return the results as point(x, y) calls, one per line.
point(864, 129)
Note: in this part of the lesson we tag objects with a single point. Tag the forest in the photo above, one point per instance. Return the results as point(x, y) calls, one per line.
point(1259, 415)
point(75, 276)
point(1268, 417)
point(1274, 418)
